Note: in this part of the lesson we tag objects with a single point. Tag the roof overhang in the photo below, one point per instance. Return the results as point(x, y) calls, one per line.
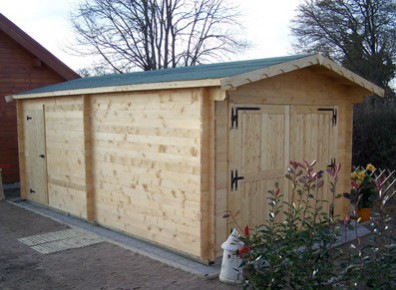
point(234, 82)
point(121, 89)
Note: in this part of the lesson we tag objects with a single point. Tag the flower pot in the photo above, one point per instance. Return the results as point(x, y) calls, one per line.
point(364, 214)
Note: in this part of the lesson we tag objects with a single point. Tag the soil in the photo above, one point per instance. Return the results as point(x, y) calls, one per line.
point(99, 266)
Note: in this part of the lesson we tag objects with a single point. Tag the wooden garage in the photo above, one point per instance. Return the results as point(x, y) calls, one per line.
point(161, 154)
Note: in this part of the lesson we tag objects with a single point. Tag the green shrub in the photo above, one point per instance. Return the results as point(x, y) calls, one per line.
point(296, 247)
point(374, 133)
point(293, 248)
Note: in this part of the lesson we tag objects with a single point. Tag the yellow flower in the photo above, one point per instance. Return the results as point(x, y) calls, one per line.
point(370, 167)
point(354, 175)
point(358, 182)
point(362, 174)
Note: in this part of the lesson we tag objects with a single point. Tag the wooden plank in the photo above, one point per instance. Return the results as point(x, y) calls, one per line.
point(217, 94)
point(21, 149)
point(127, 88)
point(221, 172)
point(344, 153)
point(126, 159)
point(152, 144)
point(148, 113)
point(89, 188)
point(67, 181)
point(122, 128)
point(207, 206)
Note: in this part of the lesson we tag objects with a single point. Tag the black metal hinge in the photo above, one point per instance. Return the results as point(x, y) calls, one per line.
point(234, 180)
point(42, 155)
point(234, 114)
point(32, 191)
point(332, 164)
point(28, 118)
point(334, 114)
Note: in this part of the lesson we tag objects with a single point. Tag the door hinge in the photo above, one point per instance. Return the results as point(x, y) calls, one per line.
point(234, 180)
point(334, 114)
point(332, 164)
point(32, 191)
point(42, 155)
point(234, 114)
point(28, 118)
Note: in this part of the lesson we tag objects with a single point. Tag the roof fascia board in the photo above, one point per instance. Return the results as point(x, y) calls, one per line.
point(369, 86)
point(121, 89)
point(35, 48)
point(233, 83)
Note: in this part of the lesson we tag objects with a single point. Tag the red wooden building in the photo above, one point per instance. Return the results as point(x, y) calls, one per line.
point(24, 65)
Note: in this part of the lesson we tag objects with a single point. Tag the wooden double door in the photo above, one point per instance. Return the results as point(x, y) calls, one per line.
point(263, 140)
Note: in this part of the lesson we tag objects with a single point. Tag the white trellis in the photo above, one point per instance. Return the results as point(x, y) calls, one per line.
point(388, 181)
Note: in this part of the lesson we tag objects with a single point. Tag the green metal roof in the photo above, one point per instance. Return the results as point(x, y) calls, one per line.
point(190, 73)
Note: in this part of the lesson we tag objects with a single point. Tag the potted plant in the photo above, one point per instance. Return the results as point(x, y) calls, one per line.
point(364, 191)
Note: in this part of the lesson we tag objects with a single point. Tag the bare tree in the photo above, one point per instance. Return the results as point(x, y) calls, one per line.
point(156, 34)
point(360, 34)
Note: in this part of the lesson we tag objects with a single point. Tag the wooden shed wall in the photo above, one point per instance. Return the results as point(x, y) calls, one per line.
point(305, 87)
point(146, 165)
point(65, 152)
point(138, 162)
point(19, 71)
point(66, 155)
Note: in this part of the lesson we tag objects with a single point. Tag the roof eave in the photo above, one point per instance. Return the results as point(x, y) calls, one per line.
point(121, 89)
point(232, 83)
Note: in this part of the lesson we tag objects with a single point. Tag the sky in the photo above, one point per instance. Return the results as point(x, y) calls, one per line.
point(266, 22)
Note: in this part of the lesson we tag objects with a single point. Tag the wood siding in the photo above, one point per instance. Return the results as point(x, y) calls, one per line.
point(65, 154)
point(19, 71)
point(147, 165)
